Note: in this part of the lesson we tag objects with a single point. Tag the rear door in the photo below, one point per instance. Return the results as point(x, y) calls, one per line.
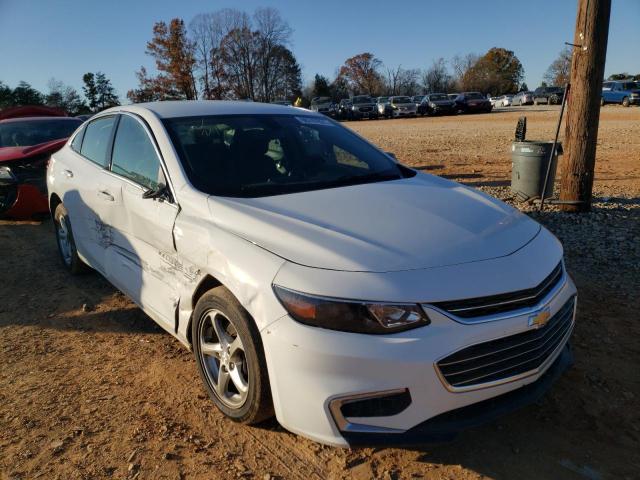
point(142, 260)
point(83, 174)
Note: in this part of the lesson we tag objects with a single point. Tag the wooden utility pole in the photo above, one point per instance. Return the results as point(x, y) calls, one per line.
point(583, 106)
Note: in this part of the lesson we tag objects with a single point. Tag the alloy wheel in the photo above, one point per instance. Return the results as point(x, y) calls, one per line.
point(223, 357)
point(64, 239)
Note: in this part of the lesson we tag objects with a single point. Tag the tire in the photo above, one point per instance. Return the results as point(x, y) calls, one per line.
point(66, 243)
point(218, 314)
point(625, 102)
point(554, 100)
point(602, 101)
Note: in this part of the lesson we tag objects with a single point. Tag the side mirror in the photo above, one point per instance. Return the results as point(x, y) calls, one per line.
point(160, 193)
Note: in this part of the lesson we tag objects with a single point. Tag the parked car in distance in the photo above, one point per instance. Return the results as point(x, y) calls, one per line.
point(417, 99)
point(452, 96)
point(623, 92)
point(363, 106)
point(503, 100)
point(472, 102)
point(344, 109)
point(402, 106)
point(548, 95)
point(437, 104)
point(324, 105)
point(384, 107)
point(312, 276)
point(25, 146)
point(522, 98)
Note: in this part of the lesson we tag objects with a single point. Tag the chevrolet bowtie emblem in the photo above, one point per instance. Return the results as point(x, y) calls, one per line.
point(540, 319)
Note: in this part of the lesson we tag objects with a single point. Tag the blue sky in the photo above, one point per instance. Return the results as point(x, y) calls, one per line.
point(40, 39)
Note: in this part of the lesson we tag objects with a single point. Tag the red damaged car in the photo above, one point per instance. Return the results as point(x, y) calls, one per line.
point(28, 137)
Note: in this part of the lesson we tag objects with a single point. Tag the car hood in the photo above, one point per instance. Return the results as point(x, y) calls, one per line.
point(443, 102)
point(8, 154)
point(406, 224)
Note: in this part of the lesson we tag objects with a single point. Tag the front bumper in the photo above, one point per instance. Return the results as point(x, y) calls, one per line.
point(357, 114)
point(634, 100)
point(310, 368)
point(403, 113)
point(446, 426)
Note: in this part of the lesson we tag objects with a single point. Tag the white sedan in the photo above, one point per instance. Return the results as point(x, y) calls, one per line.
point(314, 278)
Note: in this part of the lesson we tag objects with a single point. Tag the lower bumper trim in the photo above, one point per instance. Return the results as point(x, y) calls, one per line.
point(446, 426)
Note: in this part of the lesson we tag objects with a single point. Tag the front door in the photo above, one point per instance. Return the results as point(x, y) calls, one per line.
point(143, 227)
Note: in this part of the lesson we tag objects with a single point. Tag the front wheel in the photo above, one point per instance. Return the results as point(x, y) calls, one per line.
point(230, 357)
point(66, 243)
point(625, 102)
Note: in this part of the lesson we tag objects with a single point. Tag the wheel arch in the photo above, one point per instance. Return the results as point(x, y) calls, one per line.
point(207, 283)
point(54, 201)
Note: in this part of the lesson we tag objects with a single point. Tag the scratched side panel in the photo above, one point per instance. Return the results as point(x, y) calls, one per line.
point(245, 269)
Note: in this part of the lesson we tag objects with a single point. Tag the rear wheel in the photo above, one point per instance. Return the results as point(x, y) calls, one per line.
point(625, 102)
point(66, 242)
point(602, 101)
point(230, 357)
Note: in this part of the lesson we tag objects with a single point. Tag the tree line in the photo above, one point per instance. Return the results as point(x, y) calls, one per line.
point(231, 54)
point(97, 95)
point(226, 54)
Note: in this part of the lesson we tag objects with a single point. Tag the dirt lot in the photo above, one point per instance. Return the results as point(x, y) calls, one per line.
point(91, 388)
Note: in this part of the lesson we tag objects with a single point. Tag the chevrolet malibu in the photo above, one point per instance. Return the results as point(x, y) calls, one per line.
point(314, 277)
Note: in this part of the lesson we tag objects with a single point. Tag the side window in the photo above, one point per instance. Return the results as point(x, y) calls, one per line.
point(95, 143)
point(606, 86)
point(134, 156)
point(77, 141)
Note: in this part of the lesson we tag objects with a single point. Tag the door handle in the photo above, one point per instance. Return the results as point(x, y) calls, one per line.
point(105, 195)
point(68, 173)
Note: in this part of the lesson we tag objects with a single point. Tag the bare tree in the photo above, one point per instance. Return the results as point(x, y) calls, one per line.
point(437, 77)
point(273, 34)
point(461, 65)
point(559, 71)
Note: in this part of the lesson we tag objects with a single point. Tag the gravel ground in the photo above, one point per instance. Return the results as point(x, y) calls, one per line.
point(91, 388)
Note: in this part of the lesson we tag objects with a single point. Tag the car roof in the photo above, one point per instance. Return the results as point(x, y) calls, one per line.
point(31, 119)
point(196, 108)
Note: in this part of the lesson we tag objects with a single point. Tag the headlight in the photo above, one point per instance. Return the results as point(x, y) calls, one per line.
point(7, 175)
point(432, 105)
point(351, 315)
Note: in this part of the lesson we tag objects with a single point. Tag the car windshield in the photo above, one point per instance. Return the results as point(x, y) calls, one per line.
point(264, 155)
point(357, 100)
point(418, 98)
point(475, 96)
point(438, 97)
point(318, 100)
point(24, 133)
point(401, 100)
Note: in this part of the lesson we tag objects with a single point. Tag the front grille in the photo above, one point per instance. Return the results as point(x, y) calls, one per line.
point(505, 302)
point(366, 109)
point(507, 357)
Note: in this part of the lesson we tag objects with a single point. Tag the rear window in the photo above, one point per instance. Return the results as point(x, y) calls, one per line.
point(97, 136)
point(475, 96)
